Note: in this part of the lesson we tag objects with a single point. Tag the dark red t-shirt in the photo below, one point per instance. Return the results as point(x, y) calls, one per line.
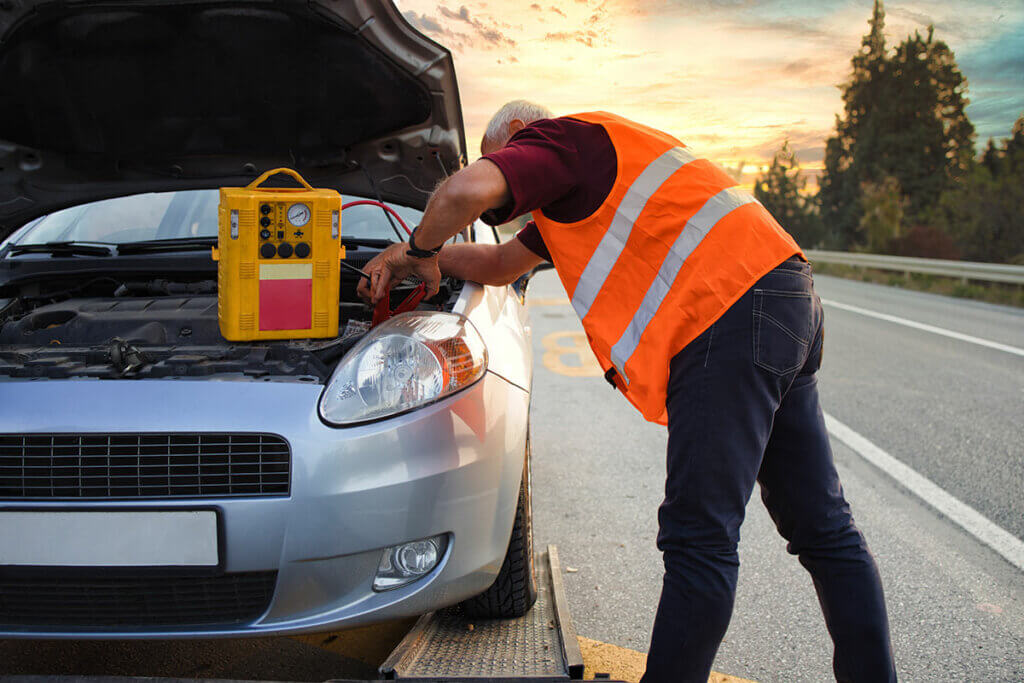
point(562, 166)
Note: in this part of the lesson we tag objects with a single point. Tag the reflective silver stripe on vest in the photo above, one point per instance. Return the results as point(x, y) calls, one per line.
point(614, 240)
point(693, 232)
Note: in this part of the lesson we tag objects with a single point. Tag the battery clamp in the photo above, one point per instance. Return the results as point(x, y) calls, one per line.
point(278, 256)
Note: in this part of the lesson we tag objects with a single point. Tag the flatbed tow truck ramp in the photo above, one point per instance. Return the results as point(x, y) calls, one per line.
point(540, 646)
point(446, 647)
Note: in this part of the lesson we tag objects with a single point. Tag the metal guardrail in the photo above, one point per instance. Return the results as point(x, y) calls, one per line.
point(965, 270)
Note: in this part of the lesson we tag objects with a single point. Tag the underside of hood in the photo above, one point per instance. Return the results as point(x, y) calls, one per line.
point(100, 99)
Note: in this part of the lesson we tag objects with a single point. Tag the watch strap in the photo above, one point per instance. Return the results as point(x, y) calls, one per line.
point(417, 252)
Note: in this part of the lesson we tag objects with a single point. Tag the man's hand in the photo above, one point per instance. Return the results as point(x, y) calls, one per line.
point(393, 265)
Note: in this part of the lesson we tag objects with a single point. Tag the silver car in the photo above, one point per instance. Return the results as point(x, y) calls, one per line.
point(157, 480)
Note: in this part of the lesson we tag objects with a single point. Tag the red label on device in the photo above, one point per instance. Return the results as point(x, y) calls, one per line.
point(286, 304)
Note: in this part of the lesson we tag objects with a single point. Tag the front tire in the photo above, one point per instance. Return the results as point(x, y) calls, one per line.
point(515, 590)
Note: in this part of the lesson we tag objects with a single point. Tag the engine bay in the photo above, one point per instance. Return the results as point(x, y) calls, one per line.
point(107, 328)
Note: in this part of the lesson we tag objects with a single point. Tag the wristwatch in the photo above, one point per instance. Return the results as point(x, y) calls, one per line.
point(416, 252)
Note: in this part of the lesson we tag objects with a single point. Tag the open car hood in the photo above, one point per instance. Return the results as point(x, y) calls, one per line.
point(107, 98)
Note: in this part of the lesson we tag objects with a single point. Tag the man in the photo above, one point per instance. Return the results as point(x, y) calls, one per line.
point(702, 311)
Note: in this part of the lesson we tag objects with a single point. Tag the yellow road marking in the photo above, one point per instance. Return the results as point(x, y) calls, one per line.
point(371, 645)
point(576, 350)
point(624, 664)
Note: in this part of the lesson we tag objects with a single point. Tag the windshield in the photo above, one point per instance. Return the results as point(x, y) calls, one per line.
point(176, 215)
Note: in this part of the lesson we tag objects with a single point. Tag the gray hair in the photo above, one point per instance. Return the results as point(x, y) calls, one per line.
point(527, 112)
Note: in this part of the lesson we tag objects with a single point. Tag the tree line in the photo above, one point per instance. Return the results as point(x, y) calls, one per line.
point(901, 176)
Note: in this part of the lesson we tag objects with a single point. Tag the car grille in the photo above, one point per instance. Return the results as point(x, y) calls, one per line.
point(143, 600)
point(151, 466)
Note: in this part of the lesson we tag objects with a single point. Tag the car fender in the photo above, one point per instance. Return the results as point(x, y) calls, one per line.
point(502, 321)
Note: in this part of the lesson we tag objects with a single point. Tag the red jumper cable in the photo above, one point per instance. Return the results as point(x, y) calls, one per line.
point(382, 311)
point(382, 205)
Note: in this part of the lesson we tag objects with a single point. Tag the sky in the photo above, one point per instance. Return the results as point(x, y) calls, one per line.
point(731, 78)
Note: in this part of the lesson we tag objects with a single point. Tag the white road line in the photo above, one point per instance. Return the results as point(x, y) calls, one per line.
point(927, 328)
point(972, 521)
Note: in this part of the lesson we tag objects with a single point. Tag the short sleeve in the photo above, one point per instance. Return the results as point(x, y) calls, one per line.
point(530, 238)
point(539, 165)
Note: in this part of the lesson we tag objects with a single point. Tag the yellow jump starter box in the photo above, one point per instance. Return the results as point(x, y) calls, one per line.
point(278, 252)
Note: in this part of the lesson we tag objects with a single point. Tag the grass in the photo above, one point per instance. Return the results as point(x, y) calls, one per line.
point(991, 292)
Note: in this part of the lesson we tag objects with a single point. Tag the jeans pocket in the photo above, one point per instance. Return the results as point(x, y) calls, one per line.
point(783, 326)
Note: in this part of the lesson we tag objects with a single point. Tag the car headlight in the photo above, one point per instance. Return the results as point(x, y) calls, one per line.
point(409, 361)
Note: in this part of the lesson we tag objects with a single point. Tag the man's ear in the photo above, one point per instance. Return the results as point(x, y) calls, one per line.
point(514, 126)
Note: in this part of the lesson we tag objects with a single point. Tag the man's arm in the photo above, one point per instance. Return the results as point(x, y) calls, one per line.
point(455, 204)
point(460, 200)
point(488, 264)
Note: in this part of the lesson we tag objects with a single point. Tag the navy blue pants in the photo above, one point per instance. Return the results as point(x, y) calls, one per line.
point(743, 406)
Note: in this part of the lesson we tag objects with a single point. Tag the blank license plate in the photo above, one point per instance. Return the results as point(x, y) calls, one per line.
point(109, 539)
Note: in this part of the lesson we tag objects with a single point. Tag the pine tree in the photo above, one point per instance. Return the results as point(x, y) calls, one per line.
point(984, 210)
point(927, 142)
point(992, 158)
point(904, 118)
point(1013, 150)
point(849, 154)
point(781, 191)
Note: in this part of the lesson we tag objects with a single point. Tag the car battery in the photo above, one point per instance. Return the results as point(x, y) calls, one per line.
point(278, 259)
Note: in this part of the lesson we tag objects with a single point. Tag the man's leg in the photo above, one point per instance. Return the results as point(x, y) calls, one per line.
point(720, 409)
point(800, 488)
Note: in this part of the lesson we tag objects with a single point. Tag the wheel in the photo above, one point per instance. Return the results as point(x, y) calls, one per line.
point(515, 590)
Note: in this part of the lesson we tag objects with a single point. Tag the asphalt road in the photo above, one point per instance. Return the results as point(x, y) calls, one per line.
point(947, 408)
point(954, 411)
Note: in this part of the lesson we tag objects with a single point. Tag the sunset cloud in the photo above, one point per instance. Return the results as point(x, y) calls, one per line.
point(734, 78)
point(423, 23)
point(583, 37)
point(487, 30)
point(458, 30)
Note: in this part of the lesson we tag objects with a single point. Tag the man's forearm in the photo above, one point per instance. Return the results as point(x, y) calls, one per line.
point(488, 264)
point(474, 262)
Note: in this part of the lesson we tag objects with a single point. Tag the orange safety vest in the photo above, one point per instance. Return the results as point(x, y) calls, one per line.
point(672, 247)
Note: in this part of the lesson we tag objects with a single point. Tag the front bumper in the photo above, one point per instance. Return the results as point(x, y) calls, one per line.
point(449, 468)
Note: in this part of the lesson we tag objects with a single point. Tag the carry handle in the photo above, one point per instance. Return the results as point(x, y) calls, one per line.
point(287, 171)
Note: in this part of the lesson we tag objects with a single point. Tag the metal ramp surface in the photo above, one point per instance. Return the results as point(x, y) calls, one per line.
point(541, 646)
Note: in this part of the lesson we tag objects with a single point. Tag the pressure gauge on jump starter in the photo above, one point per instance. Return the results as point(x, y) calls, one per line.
point(298, 215)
